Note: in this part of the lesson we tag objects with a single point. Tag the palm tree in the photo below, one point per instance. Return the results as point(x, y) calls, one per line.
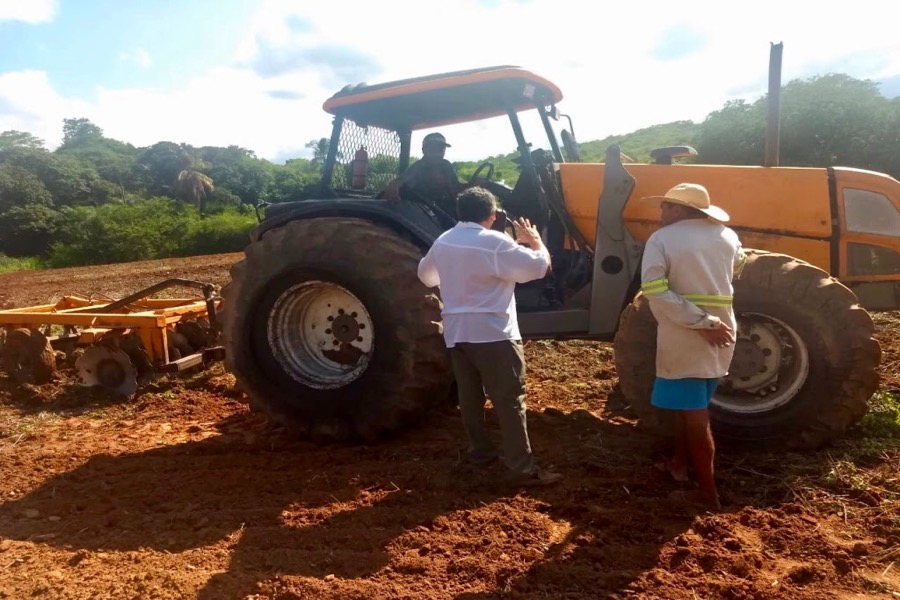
point(320, 150)
point(193, 186)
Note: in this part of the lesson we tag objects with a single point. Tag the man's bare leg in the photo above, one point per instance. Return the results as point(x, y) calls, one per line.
point(701, 450)
point(677, 465)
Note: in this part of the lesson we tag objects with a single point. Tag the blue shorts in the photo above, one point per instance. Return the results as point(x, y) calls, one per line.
point(683, 394)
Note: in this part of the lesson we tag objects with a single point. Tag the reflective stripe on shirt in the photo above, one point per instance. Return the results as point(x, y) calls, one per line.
point(659, 286)
point(703, 300)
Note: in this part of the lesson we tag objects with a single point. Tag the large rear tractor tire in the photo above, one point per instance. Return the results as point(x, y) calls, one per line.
point(805, 361)
point(28, 357)
point(329, 331)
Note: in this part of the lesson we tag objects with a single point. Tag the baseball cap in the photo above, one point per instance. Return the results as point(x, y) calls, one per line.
point(435, 138)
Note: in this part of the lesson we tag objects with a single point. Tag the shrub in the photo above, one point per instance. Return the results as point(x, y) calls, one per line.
point(153, 228)
point(216, 234)
point(28, 230)
point(9, 264)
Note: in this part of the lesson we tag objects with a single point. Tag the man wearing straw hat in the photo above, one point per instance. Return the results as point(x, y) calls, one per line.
point(686, 273)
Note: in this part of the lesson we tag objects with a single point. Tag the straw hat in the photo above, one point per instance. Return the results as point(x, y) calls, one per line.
point(693, 195)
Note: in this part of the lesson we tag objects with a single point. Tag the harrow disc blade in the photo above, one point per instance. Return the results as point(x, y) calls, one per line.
point(108, 368)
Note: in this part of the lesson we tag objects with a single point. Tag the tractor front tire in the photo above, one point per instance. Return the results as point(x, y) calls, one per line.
point(329, 331)
point(805, 362)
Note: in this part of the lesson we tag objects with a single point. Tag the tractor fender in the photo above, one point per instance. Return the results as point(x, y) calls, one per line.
point(407, 218)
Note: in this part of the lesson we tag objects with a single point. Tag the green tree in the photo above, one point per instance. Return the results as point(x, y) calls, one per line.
point(27, 230)
point(19, 187)
point(297, 179)
point(830, 120)
point(221, 200)
point(72, 182)
point(834, 119)
point(733, 135)
point(113, 161)
point(158, 166)
point(78, 132)
point(885, 154)
point(239, 171)
point(20, 139)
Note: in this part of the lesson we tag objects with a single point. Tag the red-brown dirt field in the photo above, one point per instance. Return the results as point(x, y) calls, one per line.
point(182, 492)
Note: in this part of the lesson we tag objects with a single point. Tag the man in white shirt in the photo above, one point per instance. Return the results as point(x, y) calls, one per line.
point(477, 270)
point(686, 273)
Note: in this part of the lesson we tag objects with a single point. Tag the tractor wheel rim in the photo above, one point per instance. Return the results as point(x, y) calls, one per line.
point(321, 334)
point(769, 368)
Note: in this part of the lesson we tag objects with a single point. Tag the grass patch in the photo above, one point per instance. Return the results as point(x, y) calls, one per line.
point(856, 477)
point(16, 429)
point(882, 422)
point(9, 264)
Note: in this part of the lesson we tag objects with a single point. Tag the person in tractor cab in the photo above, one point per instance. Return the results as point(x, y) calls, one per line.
point(430, 178)
point(686, 273)
point(476, 270)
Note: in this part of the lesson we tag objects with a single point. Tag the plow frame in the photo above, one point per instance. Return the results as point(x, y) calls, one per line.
point(151, 318)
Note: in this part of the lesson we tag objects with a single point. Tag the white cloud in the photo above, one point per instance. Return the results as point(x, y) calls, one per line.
point(27, 11)
point(31, 104)
point(600, 58)
point(139, 57)
point(223, 107)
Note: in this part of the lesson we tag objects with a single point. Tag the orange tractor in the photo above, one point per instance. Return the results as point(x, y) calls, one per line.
point(329, 331)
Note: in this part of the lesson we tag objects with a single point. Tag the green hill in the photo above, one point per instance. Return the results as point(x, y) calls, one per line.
point(636, 145)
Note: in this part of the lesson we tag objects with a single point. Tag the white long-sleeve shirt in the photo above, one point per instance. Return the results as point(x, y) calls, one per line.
point(686, 274)
point(477, 270)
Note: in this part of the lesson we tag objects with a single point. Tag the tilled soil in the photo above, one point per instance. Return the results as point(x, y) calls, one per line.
point(182, 492)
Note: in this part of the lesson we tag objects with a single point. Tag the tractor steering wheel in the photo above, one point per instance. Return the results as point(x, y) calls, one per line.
point(485, 165)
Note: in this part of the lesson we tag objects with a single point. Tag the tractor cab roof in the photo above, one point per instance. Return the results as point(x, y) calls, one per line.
point(443, 99)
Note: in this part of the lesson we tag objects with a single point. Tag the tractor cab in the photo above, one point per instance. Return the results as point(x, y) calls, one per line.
point(372, 143)
point(371, 140)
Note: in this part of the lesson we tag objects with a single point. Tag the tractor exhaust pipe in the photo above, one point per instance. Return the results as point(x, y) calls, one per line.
point(773, 118)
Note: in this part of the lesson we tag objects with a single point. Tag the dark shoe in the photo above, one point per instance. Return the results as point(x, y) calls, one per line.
point(539, 478)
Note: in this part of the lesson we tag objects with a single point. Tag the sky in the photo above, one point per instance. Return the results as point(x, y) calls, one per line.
point(255, 73)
